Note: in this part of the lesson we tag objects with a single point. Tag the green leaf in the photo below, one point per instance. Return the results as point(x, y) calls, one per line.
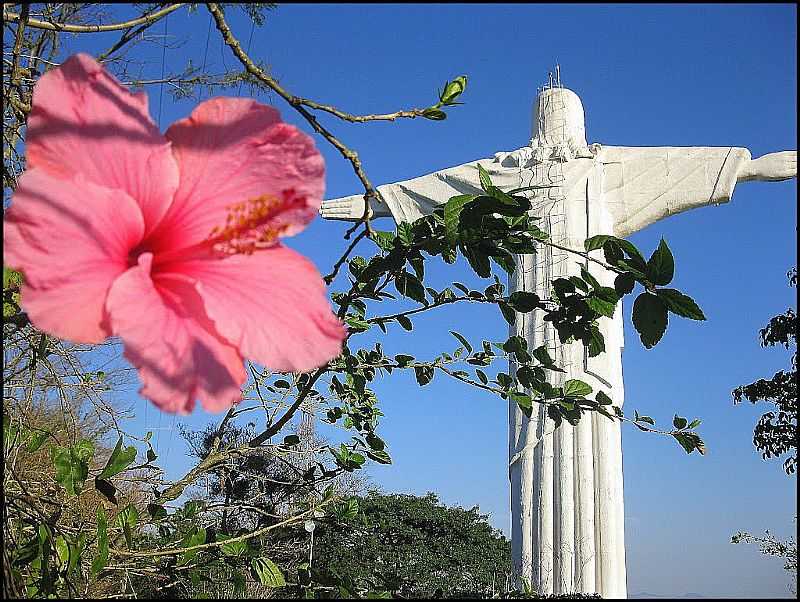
point(603, 399)
point(486, 181)
point(101, 559)
point(384, 240)
point(195, 539)
point(508, 312)
point(405, 322)
point(506, 262)
point(83, 450)
point(424, 374)
point(127, 519)
point(462, 340)
point(576, 388)
point(624, 284)
point(596, 242)
point(267, 572)
point(589, 278)
point(418, 264)
point(191, 508)
point(291, 440)
point(538, 233)
point(71, 471)
point(434, 114)
point(524, 402)
point(120, 459)
point(579, 283)
point(636, 257)
point(452, 213)
point(597, 343)
point(523, 301)
point(375, 442)
point(405, 233)
point(601, 306)
point(526, 376)
point(36, 439)
point(234, 548)
point(380, 456)
point(679, 422)
point(680, 304)
point(694, 423)
point(403, 359)
point(347, 510)
point(542, 355)
point(515, 343)
point(481, 375)
point(478, 261)
point(409, 286)
point(356, 324)
point(649, 318)
point(62, 550)
point(661, 265)
point(563, 287)
point(690, 442)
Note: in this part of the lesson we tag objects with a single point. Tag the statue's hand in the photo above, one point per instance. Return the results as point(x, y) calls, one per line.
point(773, 167)
point(351, 209)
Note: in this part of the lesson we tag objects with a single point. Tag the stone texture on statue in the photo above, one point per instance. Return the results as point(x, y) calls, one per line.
point(567, 506)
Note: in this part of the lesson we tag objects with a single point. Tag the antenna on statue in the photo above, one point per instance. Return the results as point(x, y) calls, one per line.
point(549, 80)
point(558, 75)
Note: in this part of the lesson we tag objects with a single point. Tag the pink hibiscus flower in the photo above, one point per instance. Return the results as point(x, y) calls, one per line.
point(170, 242)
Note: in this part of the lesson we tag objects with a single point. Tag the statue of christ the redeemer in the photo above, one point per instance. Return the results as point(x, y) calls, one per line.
point(566, 483)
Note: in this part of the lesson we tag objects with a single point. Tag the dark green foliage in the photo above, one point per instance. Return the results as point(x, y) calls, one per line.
point(775, 434)
point(412, 547)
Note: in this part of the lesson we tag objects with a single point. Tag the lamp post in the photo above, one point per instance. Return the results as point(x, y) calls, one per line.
point(309, 526)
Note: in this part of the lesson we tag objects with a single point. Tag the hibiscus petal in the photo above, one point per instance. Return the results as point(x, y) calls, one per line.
point(71, 239)
point(271, 305)
point(172, 343)
point(83, 121)
point(232, 151)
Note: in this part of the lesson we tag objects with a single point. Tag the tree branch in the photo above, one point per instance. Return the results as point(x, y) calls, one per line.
point(216, 544)
point(68, 27)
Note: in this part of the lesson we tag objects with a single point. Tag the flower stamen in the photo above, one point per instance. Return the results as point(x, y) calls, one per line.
point(254, 224)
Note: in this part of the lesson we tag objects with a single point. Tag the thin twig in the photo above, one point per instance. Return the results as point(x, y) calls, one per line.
point(329, 278)
point(410, 114)
point(69, 27)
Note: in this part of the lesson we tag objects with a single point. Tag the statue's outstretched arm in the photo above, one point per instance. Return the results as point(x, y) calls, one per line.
point(410, 199)
point(646, 184)
point(772, 167)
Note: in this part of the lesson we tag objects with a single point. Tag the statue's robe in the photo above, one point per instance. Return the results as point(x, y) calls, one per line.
point(566, 484)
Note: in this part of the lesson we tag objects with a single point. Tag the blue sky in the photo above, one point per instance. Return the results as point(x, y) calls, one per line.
point(682, 75)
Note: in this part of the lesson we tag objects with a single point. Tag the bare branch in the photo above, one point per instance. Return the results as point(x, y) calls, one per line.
point(55, 26)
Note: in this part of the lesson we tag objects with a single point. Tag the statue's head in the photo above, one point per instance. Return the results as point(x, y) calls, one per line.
point(558, 119)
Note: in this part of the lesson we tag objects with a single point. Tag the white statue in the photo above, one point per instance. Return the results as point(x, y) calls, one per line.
point(566, 483)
